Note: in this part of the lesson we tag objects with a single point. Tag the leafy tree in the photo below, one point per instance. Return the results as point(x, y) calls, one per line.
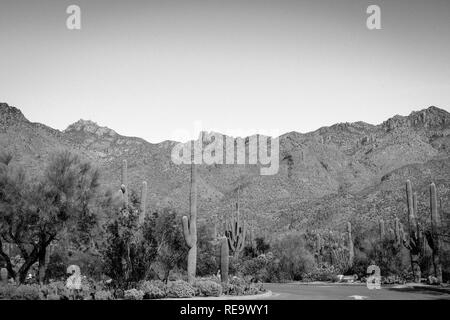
point(36, 212)
point(171, 248)
point(123, 251)
point(294, 258)
point(207, 263)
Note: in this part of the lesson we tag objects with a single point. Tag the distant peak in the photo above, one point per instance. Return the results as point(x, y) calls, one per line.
point(90, 127)
point(10, 114)
point(431, 117)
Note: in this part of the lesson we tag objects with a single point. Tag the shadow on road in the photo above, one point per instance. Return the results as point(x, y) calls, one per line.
point(422, 290)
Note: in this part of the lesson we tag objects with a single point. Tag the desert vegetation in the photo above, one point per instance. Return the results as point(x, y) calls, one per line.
point(125, 250)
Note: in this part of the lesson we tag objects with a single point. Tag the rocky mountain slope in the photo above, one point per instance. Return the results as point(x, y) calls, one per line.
point(342, 172)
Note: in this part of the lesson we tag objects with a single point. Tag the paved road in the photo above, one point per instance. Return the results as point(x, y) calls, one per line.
point(298, 291)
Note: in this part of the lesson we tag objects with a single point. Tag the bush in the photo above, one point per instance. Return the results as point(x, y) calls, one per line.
point(208, 288)
point(53, 297)
point(239, 287)
point(153, 289)
point(322, 272)
point(57, 288)
point(180, 289)
point(103, 295)
point(27, 292)
point(7, 291)
point(234, 287)
point(294, 259)
point(133, 294)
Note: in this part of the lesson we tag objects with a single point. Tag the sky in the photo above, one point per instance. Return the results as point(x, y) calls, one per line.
point(156, 69)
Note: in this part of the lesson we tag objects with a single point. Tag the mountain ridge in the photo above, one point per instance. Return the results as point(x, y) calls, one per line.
point(335, 165)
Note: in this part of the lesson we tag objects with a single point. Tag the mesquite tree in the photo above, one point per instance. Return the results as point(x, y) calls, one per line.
point(35, 212)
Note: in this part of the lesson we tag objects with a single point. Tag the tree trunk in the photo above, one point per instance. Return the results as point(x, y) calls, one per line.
point(42, 265)
point(23, 271)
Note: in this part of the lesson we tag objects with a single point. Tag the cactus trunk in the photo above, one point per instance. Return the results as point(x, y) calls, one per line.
point(382, 230)
point(351, 252)
point(190, 226)
point(435, 230)
point(414, 238)
point(143, 203)
point(224, 259)
point(124, 186)
point(236, 231)
point(4, 276)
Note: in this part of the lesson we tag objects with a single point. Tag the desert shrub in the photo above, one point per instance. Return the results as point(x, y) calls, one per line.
point(103, 295)
point(53, 297)
point(180, 289)
point(234, 287)
point(254, 288)
point(208, 288)
point(322, 272)
point(294, 259)
point(264, 268)
point(153, 289)
point(133, 294)
point(234, 265)
point(27, 292)
point(239, 287)
point(119, 294)
point(57, 288)
point(176, 275)
point(7, 292)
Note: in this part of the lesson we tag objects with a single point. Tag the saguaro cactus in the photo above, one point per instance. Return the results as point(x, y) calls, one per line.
point(382, 229)
point(124, 186)
point(319, 248)
point(4, 276)
point(190, 226)
point(224, 259)
point(236, 231)
point(143, 202)
point(414, 243)
point(433, 237)
point(351, 251)
point(399, 233)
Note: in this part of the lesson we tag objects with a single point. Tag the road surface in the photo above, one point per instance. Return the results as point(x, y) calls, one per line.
point(299, 291)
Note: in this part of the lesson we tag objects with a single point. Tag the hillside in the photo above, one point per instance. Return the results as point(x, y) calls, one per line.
point(345, 171)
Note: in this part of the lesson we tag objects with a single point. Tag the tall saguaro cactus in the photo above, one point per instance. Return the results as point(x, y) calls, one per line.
point(190, 226)
point(319, 248)
point(382, 229)
point(433, 237)
point(3, 276)
point(124, 186)
point(236, 231)
point(143, 203)
point(224, 259)
point(414, 243)
point(351, 250)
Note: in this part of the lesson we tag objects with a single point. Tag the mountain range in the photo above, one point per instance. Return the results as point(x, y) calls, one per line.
point(344, 172)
